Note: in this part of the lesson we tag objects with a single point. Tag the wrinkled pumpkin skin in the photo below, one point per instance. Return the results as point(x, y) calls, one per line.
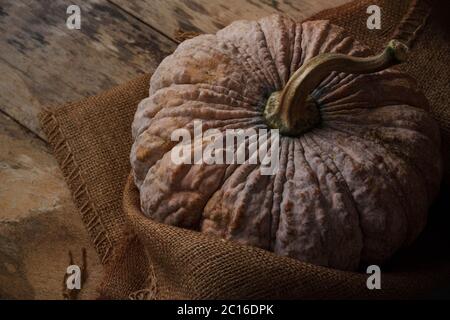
point(353, 190)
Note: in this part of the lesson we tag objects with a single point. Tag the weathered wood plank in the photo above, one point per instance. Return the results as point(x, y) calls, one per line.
point(209, 16)
point(38, 221)
point(42, 62)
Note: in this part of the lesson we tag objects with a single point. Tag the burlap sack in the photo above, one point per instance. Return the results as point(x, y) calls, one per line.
point(91, 140)
point(146, 260)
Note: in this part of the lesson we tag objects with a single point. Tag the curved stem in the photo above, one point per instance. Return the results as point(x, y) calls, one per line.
point(289, 109)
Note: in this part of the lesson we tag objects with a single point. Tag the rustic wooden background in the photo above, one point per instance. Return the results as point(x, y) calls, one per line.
point(43, 63)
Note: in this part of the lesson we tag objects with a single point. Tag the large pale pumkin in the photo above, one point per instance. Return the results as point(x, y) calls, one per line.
point(359, 154)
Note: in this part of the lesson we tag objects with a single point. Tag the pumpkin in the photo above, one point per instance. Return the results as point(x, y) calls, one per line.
point(359, 155)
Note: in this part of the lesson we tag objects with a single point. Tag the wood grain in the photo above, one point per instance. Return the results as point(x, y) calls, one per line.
point(209, 16)
point(38, 221)
point(43, 63)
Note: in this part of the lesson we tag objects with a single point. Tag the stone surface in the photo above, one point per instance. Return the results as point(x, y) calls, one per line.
point(39, 223)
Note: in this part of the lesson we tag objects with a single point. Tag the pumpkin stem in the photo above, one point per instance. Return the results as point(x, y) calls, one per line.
point(293, 110)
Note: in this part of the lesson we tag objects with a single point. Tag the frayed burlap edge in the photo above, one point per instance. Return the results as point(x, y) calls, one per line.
point(74, 178)
point(131, 276)
point(150, 292)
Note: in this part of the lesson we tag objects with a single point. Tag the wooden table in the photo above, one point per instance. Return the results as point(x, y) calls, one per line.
point(43, 63)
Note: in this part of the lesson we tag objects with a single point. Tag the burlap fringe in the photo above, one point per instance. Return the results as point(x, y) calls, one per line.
point(149, 293)
point(73, 177)
point(113, 283)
